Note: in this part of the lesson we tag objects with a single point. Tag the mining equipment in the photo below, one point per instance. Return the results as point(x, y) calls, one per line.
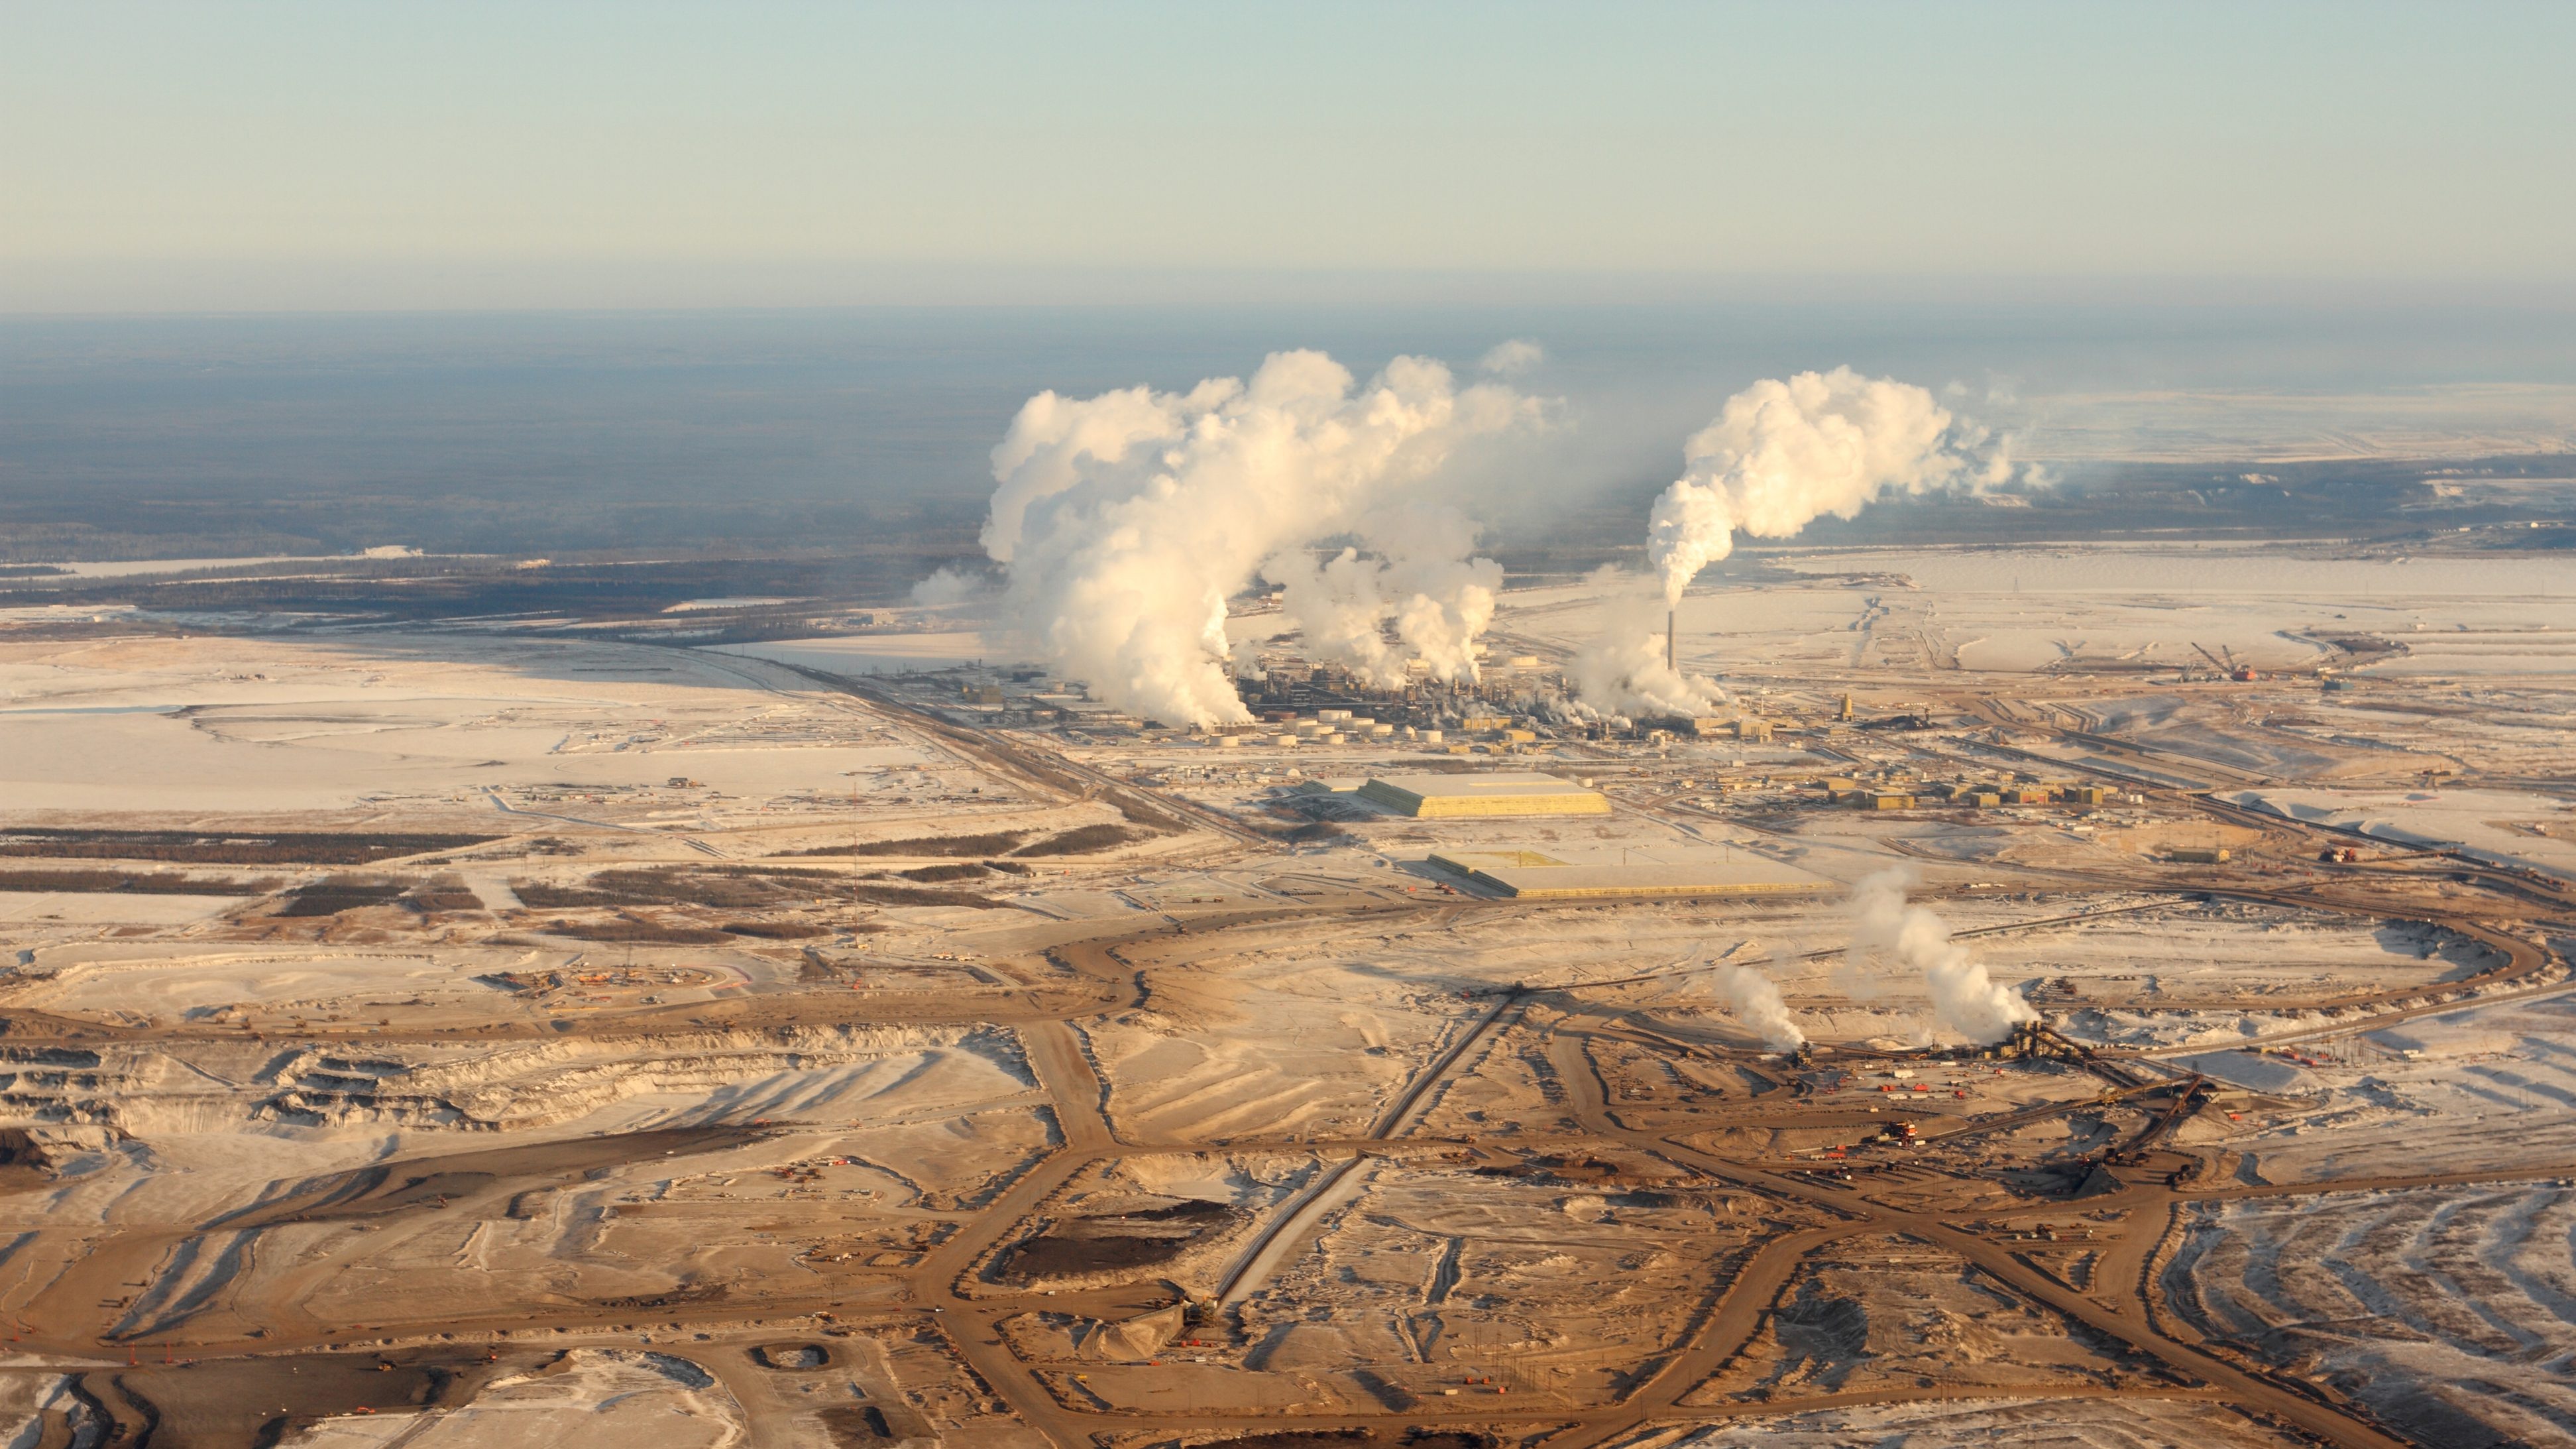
point(2032, 1041)
point(2189, 1096)
point(2039, 1041)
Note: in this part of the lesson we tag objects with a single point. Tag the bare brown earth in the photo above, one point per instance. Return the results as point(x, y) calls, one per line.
point(1193, 1138)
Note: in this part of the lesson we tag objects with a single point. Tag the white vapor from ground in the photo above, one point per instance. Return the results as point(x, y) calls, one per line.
point(1779, 455)
point(1755, 1001)
point(1782, 454)
point(1622, 671)
point(1964, 998)
point(945, 586)
point(1124, 522)
point(1418, 574)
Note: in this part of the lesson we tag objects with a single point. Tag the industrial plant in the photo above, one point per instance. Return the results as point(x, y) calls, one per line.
point(1625, 1010)
point(1406, 726)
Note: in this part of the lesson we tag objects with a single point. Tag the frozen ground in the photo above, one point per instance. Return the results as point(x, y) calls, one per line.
point(777, 1016)
point(2483, 1086)
point(2452, 1312)
point(463, 730)
point(880, 653)
point(2127, 1422)
point(1898, 613)
point(91, 909)
point(2200, 952)
point(2521, 831)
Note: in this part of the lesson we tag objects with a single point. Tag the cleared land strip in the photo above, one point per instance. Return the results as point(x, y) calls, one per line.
point(1050, 773)
point(1721, 1333)
point(1339, 1184)
point(1830, 952)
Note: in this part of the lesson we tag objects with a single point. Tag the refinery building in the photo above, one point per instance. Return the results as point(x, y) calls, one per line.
point(1434, 797)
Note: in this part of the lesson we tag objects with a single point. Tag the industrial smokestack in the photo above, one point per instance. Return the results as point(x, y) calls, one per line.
point(1672, 630)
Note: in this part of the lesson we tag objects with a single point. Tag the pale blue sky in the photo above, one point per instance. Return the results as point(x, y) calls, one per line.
point(386, 154)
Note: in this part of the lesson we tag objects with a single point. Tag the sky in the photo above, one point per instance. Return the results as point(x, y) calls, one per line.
point(390, 156)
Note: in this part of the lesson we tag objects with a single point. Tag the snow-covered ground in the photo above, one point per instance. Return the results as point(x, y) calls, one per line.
point(2514, 829)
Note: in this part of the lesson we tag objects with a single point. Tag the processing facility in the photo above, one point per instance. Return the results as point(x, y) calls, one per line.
point(1436, 797)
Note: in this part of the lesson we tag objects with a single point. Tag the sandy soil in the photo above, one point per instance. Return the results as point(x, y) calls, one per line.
point(2446, 1310)
point(642, 1120)
point(2129, 1422)
point(1880, 1313)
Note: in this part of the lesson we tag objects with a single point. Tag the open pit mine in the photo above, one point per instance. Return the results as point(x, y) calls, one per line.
point(2028, 1011)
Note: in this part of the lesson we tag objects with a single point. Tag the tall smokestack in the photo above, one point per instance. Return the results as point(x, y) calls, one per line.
point(1672, 629)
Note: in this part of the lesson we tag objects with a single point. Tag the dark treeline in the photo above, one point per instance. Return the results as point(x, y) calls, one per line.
point(224, 847)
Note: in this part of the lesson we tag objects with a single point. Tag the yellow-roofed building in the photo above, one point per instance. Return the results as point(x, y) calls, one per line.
point(1433, 797)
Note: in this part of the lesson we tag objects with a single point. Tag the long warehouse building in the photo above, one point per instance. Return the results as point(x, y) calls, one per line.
point(1433, 797)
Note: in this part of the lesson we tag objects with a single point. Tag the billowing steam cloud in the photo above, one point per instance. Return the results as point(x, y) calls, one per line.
point(1964, 998)
point(1756, 1002)
point(1417, 574)
point(1779, 456)
point(944, 587)
point(1125, 521)
point(1623, 670)
point(1783, 454)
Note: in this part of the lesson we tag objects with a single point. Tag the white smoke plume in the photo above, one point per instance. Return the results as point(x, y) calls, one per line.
point(1783, 454)
point(1126, 521)
point(1339, 606)
point(1418, 575)
point(1622, 672)
point(946, 586)
point(1755, 1001)
point(1964, 998)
